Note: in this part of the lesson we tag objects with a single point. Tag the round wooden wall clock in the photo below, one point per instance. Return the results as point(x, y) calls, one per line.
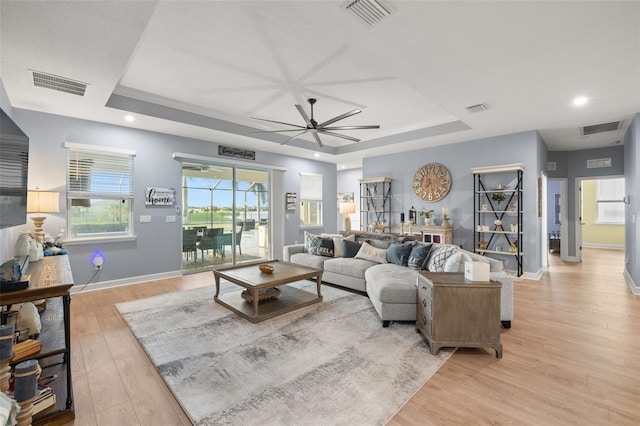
point(432, 182)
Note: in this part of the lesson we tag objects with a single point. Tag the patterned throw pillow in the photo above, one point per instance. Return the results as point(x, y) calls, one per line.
point(419, 256)
point(325, 246)
point(374, 254)
point(310, 243)
point(438, 258)
point(398, 254)
point(338, 246)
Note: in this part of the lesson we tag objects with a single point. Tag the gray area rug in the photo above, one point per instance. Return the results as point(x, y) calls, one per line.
point(331, 363)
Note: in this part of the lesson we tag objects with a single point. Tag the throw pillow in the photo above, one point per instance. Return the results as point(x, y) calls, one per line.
point(374, 254)
point(350, 248)
point(337, 245)
point(455, 263)
point(325, 246)
point(419, 256)
point(310, 243)
point(398, 253)
point(439, 257)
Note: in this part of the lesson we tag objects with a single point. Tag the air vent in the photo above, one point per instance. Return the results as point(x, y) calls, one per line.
point(551, 166)
point(55, 82)
point(598, 163)
point(477, 108)
point(371, 12)
point(600, 128)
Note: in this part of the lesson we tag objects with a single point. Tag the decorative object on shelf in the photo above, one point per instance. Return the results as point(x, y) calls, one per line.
point(6, 353)
point(485, 207)
point(445, 217)
point(498, 197)
point(482, 245)
point(514, 247)
point(427, 214)
point(498, 224)
point(346, 208)
point(432, 182)
point(29, 318)
point(377, 227)
point(412, 215)
point(23, 244)
point(263, 295)
point(514, 227)
point(497, 247)
point(266, 268)
point(41, 202)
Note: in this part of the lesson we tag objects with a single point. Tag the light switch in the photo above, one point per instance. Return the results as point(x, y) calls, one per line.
point(170, 219)
point(145, 218)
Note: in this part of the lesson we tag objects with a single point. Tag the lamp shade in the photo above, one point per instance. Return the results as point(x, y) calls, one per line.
point(346, 208)
point(43, 201)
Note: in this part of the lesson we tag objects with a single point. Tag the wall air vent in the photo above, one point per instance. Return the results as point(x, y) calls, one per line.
point(371, 12)
point(600, 128)
point(598, 163)
point(477, 108)
point(55, 82)
point(551, 166)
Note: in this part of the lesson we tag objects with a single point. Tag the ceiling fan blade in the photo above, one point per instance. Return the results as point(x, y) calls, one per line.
point(275, 131)
point(317, 138)
point(304, 115)
point(294, 137)
point(338, 135)
point(279, 122)
point(369, 126)
point(340, 117)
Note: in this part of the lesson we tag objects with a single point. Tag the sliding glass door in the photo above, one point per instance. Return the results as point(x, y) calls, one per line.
point(225, 215)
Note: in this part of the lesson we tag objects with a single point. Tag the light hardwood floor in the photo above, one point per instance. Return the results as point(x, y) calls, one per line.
point(571, 357)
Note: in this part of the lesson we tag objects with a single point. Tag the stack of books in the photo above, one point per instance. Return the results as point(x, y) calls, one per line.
point(45, 399)
point(23, 349)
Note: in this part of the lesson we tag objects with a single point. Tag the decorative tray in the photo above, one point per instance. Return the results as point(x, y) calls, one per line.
point(263, 295)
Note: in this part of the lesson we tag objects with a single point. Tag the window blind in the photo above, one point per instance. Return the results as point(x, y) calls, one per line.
point(99, 172)
point(310, 187)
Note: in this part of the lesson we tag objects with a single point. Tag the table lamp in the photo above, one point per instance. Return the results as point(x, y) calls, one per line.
point(346, 208)
point(41, 202)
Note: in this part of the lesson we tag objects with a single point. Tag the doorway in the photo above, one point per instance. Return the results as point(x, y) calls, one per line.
point(601, 213)
point(225, 215)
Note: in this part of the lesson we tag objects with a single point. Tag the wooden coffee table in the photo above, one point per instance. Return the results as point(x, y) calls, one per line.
point(250, 278)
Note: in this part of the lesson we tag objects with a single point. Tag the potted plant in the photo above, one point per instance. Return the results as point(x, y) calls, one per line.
point(427, 214)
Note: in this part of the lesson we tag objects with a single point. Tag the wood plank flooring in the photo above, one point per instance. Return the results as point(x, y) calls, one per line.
point(571, 357)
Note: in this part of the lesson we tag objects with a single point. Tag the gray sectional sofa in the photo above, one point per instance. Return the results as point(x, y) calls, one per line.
point(391, 287)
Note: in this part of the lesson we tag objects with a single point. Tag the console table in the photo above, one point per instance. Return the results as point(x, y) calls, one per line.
point(51, 278)
point(455, 312)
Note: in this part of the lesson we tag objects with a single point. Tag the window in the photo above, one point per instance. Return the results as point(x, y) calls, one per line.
point(310, 200)
point(609, 200)
point(99, 192)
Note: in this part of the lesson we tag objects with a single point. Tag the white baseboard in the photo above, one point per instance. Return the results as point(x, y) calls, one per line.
point(635, 289)
point(603, 246)
point(525, 275)
point(125, 281)
point(570, 259)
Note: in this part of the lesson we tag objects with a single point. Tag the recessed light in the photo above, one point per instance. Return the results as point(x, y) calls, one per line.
point(129, 118)
point(316, 155)
point(343, 166)
point(580, 101)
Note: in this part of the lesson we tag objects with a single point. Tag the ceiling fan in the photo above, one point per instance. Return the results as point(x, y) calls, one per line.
point(315, 128)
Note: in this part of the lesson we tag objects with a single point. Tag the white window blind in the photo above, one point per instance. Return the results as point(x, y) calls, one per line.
point(609, 200)
point(94, 172)
point(310, 187)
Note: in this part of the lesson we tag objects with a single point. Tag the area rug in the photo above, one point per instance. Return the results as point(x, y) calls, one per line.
point(331, 363)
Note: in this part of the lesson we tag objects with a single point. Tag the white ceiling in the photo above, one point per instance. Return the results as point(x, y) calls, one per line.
point(202, 69)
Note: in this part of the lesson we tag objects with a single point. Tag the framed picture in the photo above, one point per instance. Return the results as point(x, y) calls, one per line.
point(290, 200)
point(345, 197)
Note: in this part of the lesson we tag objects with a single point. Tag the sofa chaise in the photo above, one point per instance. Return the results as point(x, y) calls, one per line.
point(383, 266)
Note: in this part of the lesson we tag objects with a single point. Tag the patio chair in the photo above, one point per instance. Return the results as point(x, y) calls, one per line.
point(189, 242)
point(227, 240)
point(212, 240)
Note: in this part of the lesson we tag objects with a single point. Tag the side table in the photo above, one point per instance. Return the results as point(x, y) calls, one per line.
point(455, 312)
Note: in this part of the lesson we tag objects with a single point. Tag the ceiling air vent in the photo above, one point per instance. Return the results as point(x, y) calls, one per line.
point(600, 128)
point(371, 12)
point(551, 165)
point(598, 163)
point(55, 82)
point(477, 108)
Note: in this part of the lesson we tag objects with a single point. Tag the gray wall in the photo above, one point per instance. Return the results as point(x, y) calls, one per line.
point(348, 182)
point(573, 165)
point(459, 158)
point(632, 211)
point(157, 247)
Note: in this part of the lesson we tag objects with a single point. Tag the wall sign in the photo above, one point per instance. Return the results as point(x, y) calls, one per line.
point(290, 200)
point(155, 196)
point(227, 151)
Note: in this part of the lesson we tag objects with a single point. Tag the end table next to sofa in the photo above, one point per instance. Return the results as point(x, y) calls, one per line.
point(455, 312)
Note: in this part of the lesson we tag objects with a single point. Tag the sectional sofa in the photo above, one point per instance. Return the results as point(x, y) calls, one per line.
point(385, 267)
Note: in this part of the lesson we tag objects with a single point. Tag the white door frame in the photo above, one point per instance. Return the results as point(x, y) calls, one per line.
point(544, 237)
point(578, 256)
point(564, 231)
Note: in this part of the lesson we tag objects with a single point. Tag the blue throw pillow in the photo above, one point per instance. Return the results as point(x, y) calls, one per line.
point(325, 247)
point(350, 248)
point(398, 253)
point(419, 256)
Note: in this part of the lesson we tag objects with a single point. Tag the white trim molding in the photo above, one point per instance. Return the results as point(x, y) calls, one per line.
point(204, 158)
point(635, 289)
point(77, 288)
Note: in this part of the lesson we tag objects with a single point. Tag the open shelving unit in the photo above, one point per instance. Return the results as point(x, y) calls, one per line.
point(375, 203)
point(498, 225)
